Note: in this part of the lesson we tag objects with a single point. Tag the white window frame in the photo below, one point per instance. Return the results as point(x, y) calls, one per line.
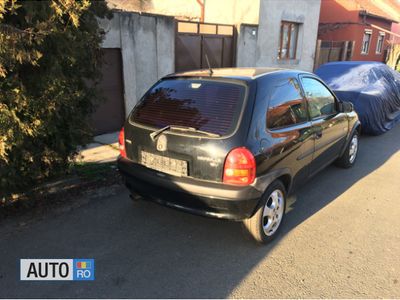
point(367, 32)
point(381, 37)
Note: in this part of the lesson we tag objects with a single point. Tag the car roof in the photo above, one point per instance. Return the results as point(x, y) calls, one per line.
point(245, 74)
point(353, 63)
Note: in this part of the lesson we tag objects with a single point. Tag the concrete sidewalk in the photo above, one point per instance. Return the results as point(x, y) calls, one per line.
point(103, 149)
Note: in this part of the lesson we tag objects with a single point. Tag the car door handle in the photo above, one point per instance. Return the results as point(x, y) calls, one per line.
point(318, 135)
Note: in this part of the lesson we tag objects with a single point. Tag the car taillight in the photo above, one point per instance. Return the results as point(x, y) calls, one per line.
point(121, 141)
point(240, 167)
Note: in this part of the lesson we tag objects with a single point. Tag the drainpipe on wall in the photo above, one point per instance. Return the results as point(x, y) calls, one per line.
point(202, 4)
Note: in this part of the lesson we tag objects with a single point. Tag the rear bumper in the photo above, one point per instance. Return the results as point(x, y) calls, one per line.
point(190, 195)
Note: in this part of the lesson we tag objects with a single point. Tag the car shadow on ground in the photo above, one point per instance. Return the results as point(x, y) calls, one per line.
point(143, 250)
point(330, 183)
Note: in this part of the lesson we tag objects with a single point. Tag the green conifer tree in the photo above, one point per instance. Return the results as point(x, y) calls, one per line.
point(49, 51)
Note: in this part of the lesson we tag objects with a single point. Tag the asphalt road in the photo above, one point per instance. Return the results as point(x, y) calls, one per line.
point(341, 239)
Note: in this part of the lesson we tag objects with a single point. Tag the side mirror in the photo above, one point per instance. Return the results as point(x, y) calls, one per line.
point(345, 107)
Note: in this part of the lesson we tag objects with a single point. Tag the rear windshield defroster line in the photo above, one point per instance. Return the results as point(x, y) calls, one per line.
point(208, 105)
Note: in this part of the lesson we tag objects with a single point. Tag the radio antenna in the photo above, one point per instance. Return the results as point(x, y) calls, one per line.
point(209, 66)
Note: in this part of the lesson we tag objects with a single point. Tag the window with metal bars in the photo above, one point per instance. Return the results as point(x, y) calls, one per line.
point(379, 44)
point(366, 41)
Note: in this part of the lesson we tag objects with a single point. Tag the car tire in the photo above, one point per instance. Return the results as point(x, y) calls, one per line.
point(349, 155)
point(265, 224)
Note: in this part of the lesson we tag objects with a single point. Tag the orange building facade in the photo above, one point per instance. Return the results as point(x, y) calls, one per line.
point(367, 23)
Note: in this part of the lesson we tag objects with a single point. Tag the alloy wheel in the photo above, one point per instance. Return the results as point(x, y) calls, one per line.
point(273, 212)
point(353, 148)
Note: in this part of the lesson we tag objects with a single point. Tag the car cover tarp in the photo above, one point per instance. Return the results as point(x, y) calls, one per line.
point(372, 87)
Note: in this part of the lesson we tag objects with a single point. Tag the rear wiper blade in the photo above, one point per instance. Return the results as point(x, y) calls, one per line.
point(154, 134)
point(192, 129)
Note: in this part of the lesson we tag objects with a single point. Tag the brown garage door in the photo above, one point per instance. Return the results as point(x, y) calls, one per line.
point(110, 114)
point(195, 40)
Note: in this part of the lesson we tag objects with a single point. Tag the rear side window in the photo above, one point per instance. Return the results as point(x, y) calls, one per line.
point(212, 106)
point(321, 102)
point(286, 105)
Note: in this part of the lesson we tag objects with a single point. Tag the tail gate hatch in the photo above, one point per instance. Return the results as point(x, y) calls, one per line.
point(180, 126)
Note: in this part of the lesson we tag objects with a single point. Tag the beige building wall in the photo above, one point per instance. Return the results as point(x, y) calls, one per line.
point(181, 9)
point(232, 11)
point(215, 11)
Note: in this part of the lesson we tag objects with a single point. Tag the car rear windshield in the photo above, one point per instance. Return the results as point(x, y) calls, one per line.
point(208, 105)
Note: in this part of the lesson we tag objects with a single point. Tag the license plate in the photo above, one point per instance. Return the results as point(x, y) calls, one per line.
point(164, 164)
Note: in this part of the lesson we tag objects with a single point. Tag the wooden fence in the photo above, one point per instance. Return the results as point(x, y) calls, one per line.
point(328, 51)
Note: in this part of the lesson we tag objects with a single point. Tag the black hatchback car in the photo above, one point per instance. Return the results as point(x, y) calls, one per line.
point(233, 143)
